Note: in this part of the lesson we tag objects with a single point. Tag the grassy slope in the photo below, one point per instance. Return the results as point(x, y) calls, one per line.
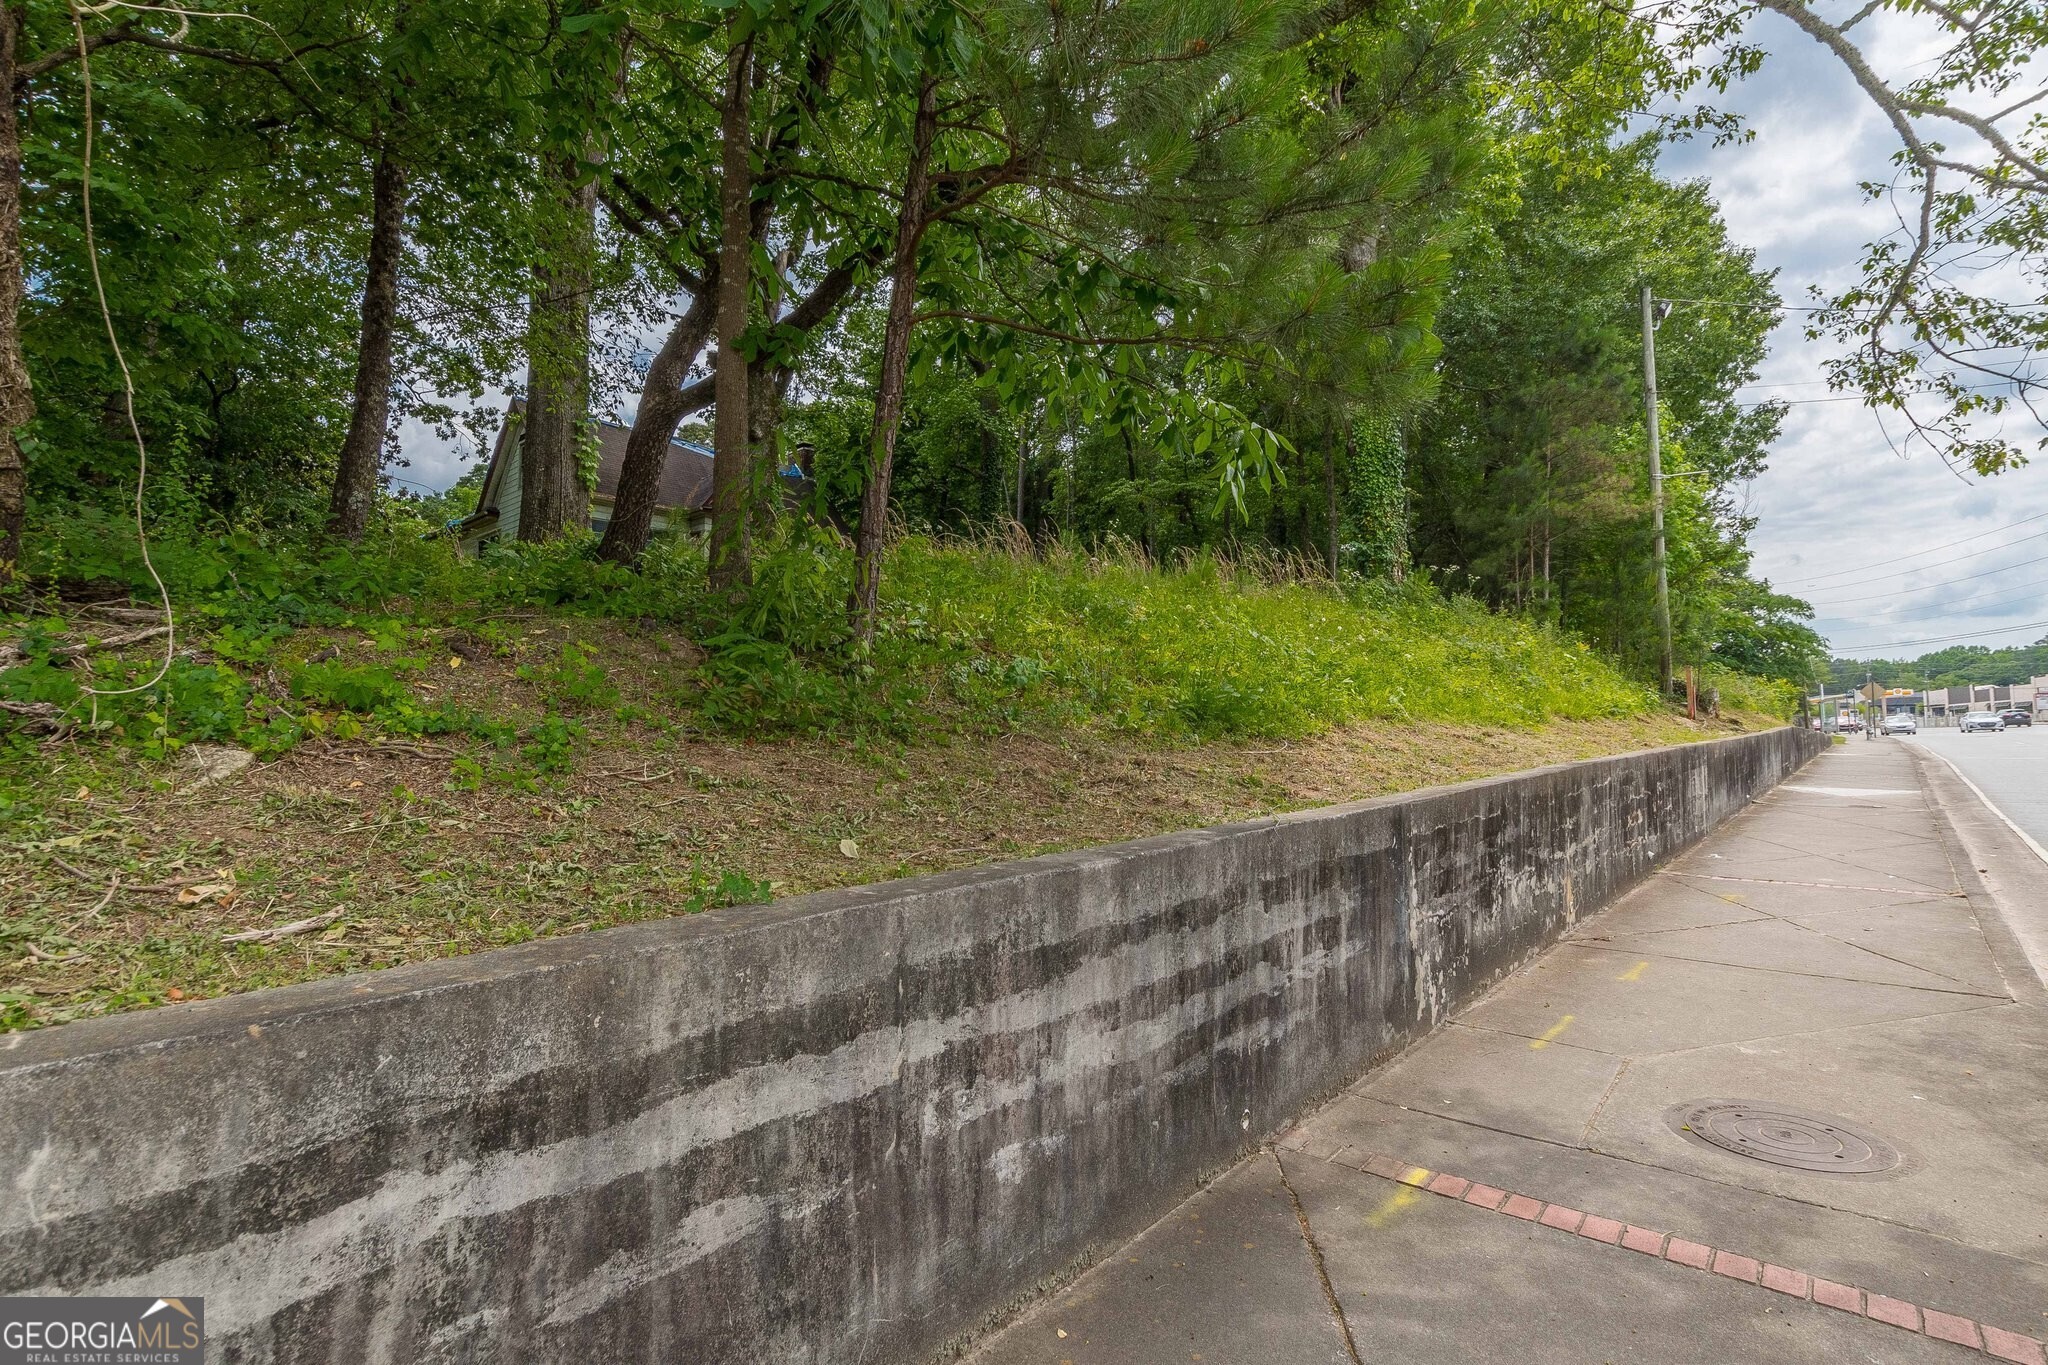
point(1015, 707)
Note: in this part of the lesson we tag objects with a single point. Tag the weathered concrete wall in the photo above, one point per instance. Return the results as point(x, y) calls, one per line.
point(842, 1128)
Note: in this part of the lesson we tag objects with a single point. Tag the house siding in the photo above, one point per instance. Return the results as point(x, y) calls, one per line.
point(508, 492)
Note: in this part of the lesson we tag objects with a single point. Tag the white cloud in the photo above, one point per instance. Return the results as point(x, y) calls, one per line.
point(1837, 496)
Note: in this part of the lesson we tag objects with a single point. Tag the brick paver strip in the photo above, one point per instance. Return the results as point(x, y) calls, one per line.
point(1949, 1327)
point(1357, 1158)
point(1643, 1240)
point(1689, 1253)
point(1735, 1267)
point(1793, 1282)
point(1385, 1167)
point(1599, 1229)
point(2015, 1347)
point(1485, 1196)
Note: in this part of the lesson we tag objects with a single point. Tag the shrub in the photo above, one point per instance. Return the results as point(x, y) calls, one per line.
point(353, 687)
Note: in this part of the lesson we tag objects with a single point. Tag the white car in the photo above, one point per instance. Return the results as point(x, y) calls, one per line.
point(1901, 723)
point(1982, 720)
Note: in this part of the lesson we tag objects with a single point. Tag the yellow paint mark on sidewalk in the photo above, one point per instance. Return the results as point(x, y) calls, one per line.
point(1395, 1202)
point(1536, 1044)
point(1634, 973)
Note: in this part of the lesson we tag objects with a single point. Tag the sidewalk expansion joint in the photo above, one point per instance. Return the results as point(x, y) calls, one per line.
point(2016, 1347)
point(1315, 1256)
point(1595, 946)
point(1920, 889)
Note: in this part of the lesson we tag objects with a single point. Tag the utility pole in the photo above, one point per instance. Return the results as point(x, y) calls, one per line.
point(1656, 489)
point(1869, 690)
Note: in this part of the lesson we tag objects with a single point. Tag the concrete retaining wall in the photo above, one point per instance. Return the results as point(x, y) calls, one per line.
point(842, 1128)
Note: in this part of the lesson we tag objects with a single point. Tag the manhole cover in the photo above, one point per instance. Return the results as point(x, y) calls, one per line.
point(1786, 1137)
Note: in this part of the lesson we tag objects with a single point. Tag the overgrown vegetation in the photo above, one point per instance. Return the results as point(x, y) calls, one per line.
point(1254, 378)
point(453, 754)
point(977, 636)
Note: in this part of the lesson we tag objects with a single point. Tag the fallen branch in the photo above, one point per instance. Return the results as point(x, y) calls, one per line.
point(101, 904)
point(85, 876)
point(663, 774)
point(44, 716)
point(133, 637)
point(297, 926)
point(11, 655)
point(417, 750)
point(53, 959)
point(134, 615)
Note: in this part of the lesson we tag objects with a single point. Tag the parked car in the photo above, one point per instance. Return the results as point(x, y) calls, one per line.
point(1901, 723)
point(1850, 725)
point(1982, 720)
point(2017, 717)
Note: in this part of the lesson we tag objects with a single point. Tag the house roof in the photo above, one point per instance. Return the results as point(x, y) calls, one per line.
point(685, 475)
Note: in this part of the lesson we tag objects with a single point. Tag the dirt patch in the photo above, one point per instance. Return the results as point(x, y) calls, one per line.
point(382, 852)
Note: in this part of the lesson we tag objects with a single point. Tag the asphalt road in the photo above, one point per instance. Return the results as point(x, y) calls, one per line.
point(2009, 766)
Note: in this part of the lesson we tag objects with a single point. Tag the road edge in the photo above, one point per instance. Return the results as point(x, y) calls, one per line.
point(2001, 869)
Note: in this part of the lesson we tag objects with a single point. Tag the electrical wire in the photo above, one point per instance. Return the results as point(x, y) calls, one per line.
point(1808, 308)
point(1924, 587)
point(1938, 564)
point(1845, 573)
point(1945, 639)
point(1865, 398)
point(2033, 593)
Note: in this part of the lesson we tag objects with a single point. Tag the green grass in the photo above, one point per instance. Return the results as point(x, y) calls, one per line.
point(976, 637)
point(460, 755)
point(1214, 649)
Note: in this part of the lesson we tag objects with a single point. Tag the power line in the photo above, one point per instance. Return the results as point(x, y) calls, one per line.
point(1845, 573)
point(1947, 582)
point(1942, 563)
point(1945, 639)
point(1808, 308)
point(1784, 384)
point(1976, 605)
point(1865, 398)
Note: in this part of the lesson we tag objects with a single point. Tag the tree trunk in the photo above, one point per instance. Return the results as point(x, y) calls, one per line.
point(1023, 457)
point(552, 496)
point(663, 404)
point(732, 465)
point(766, 382)
point(874, 498)
point(17, 404)
point(355, 480)
point(1330, 502)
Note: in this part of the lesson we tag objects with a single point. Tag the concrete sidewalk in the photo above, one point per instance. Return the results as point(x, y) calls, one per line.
point(1523, 1186)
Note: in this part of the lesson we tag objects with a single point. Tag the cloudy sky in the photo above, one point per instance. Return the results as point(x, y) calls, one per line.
point(1892, 551)
point(1889, 550)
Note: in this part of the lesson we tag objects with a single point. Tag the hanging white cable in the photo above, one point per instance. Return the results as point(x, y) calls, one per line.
point(92, 255)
